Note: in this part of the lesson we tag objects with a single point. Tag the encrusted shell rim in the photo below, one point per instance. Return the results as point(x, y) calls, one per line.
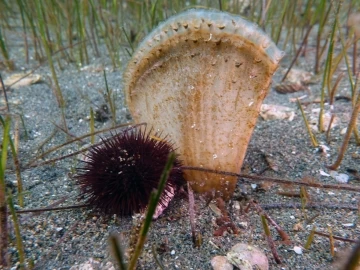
point(224, 21)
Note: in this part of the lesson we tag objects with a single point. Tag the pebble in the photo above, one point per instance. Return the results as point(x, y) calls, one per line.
point(221, 263)
point(340, 177)
point(92, 264)
point(298, 250)
point(243, 225)
point(244, 254)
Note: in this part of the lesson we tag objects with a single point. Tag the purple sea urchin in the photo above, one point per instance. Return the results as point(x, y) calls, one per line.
point(118, 176)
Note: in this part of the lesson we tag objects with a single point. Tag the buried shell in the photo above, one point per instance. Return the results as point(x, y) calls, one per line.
point(200, 77)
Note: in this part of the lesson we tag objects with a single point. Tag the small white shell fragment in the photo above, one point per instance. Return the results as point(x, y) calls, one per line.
point(215, 209)
point(343, 131)
point(324, 148)
point(172, 252)
point(93, 68)
point(18, 80)
point(236, 205)
point(162, 206)
point(221, 263)
point(253, 186)
point(276, 112)
point(323, 173)
point(299, 98)
point(298, 250)
point(298, 227)
point(340, 177)
point(349, 225)
point(243, 225)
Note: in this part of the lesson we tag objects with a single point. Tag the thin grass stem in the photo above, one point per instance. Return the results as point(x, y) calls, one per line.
point(310, 238)
point(353, 262)
point(312, 137)
point(117, 251)
point(154, 199)
point(92, 126)
point(347, 136)
point(19, 242)
point(5, 94)
point(3, 205)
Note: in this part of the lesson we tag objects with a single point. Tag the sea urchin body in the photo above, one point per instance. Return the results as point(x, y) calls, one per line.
point(118, 176)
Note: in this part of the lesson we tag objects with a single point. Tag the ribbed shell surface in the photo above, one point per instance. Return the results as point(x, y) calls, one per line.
point(200, 78)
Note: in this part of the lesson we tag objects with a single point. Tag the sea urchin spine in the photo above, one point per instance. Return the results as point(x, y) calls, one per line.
point(117, 177)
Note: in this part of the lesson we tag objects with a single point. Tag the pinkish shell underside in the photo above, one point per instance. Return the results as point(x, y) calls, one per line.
point(200, 77)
